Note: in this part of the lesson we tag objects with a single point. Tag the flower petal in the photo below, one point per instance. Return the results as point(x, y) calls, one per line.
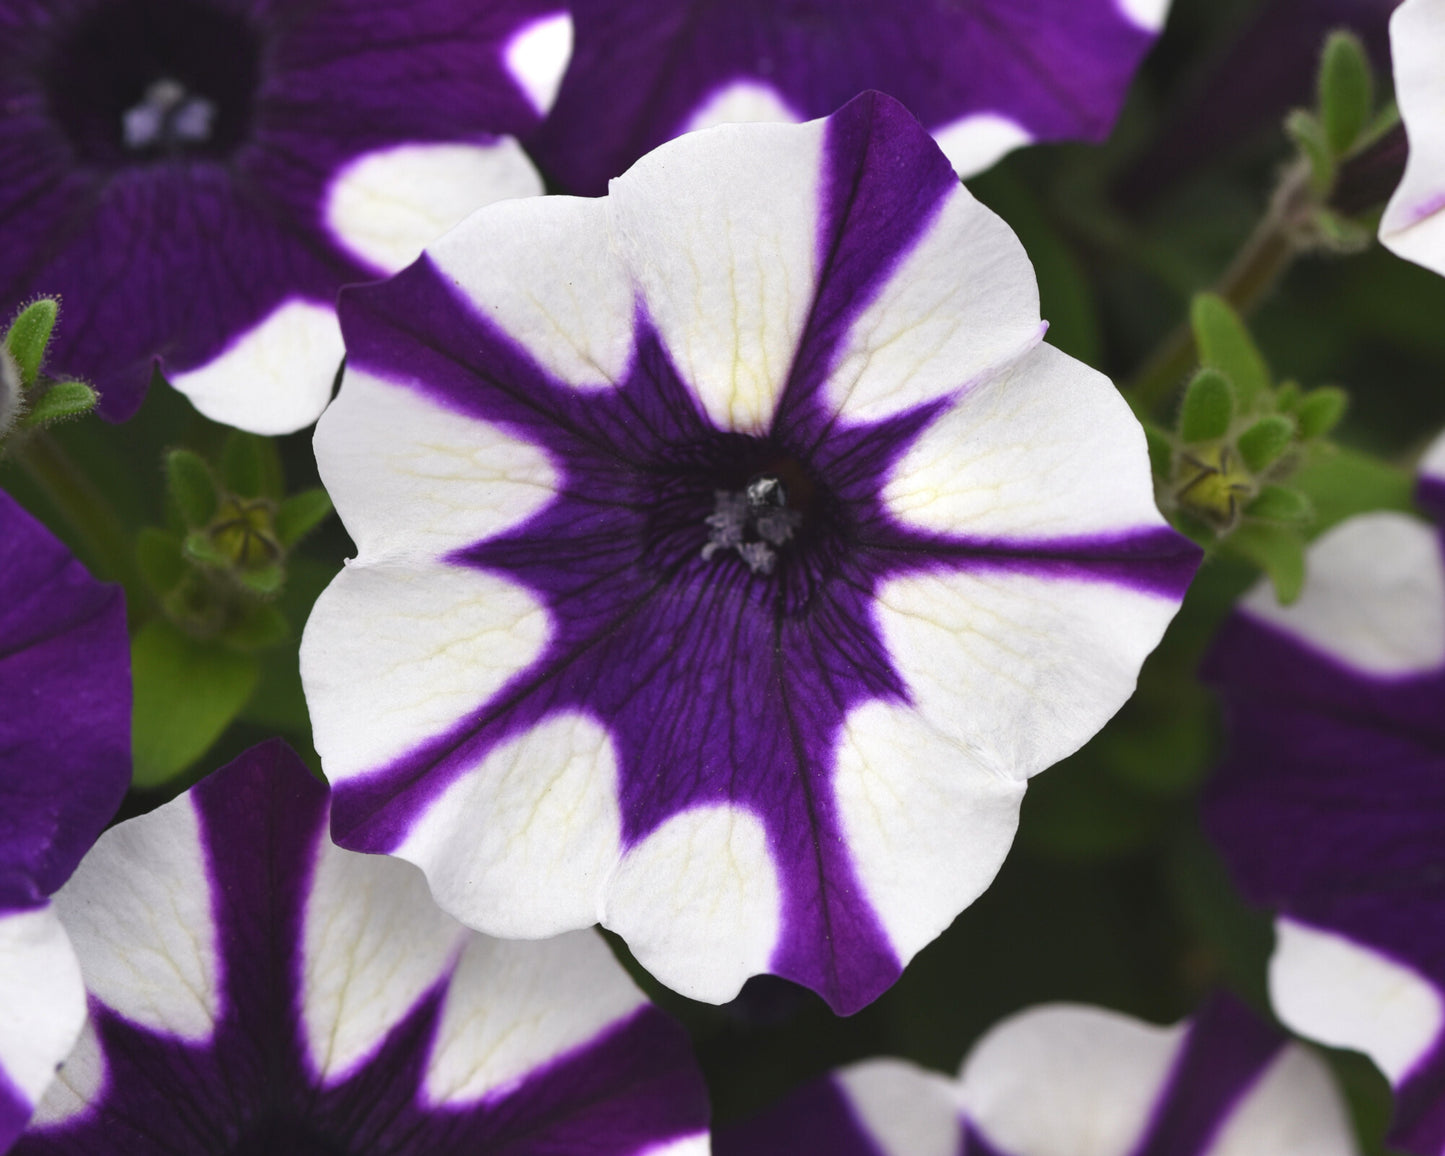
point(641, 75)
point(1413, 225)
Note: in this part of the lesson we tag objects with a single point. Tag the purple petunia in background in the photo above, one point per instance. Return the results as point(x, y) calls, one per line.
point(1069, 1080)
point(1330, 806)
point(731, 552)
point(255, 990)
point(64, 767)
point(983, 76)
point(197, 178)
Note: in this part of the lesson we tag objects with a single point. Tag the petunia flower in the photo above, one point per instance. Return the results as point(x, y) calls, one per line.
point(197, 178)
point(1413, 225)
point(1069, 1080)
point(1330, 806)
point(64, 767)
point(984, 77)
point(730, 553)
point(253, 990)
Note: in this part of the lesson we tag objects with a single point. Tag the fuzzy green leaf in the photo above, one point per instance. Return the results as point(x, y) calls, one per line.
point(29, 336)
point(63, 400)
point(1265, 442)
point(1280, 504)
point(1161, 453)
point(192, 487)
point(158, 555)
point(186, 693)
point(1346, 91)
point(1208, 408)
point(1277, 550)
point(1308, 135)
point(1225, 345)
point(251, 466)
point(1321, 410)
point(299, 514)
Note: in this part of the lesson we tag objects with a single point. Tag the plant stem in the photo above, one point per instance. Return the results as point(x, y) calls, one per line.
point(98, 529)
point(1255, 270)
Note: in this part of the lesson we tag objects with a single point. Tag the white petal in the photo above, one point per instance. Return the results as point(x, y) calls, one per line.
point(275, 378)
point(373, 944)
point(537, 58)
point(78, 1082)
point(742, 102)
point(138, 910)
point(698, 1145)
point(523, 844)
point(926, 823)
point(1016, 669)
point(1432, 462)
point(387, 205)
point(1061, 1080)
point(978, 141)
point(411, 477)
point(1293, 1109)
point(698, 901)
point(513, 1007)
point(1414, 225)
point(1147, 14)
point(721, 231)
point(42, 1000)
point(959, 307)
point(1374, 598)
point(429, 644)
point(1046, 449)
point(545, 273)
point(1331, 989)
point(908, 1111)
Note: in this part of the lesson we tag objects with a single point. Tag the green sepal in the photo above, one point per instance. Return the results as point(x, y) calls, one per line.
point(1225, 345)
point(1287, 396)
point(299, 514)
point(1308, 134)
point(199, 547)
point(1208, 409)
point(63, 400)
point(1280, 504)
point(1321, 410)
point(251, 466)
point(191, 487)
point(1161, 452)
point(261, 627)
point(160, 561)
point(1277, 550)
point(186, 693)
point(1339, 233)
point(1346, 91)
point(264, 580)
point(1341, 483)
point(1265, 442)
point(29, 337)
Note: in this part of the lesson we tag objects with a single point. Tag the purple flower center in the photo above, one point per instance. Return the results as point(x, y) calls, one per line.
point(284, 1134)
point(149, 80)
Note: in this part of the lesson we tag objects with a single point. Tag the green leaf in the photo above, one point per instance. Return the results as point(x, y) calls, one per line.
point(265, 580)
point(64, 399)
point(1280, 504)
point(1208, 409)
point(1321, 410)
point(1263, 443)
point(261, 627)
point(1342, 482)
point(1308, 135)
point(186, 694)
point(1341, 234)
point(299, 514)
point(29, 336)
point(1225, 345)
point(158, 554)
point(1346, 90)
point(198, 547)
point(1277, 550)
point(251, 466)
point(1161, 453)
point(1287, 396)
point(191, 487)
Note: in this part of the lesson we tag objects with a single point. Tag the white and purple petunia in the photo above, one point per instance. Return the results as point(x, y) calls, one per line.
point(984, 76)
point(64, 767)
point(730, 553)
point(254, 990)
point(1414, 222)
point(1330, 806)
point(1069, 1080)
point(197, 178)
